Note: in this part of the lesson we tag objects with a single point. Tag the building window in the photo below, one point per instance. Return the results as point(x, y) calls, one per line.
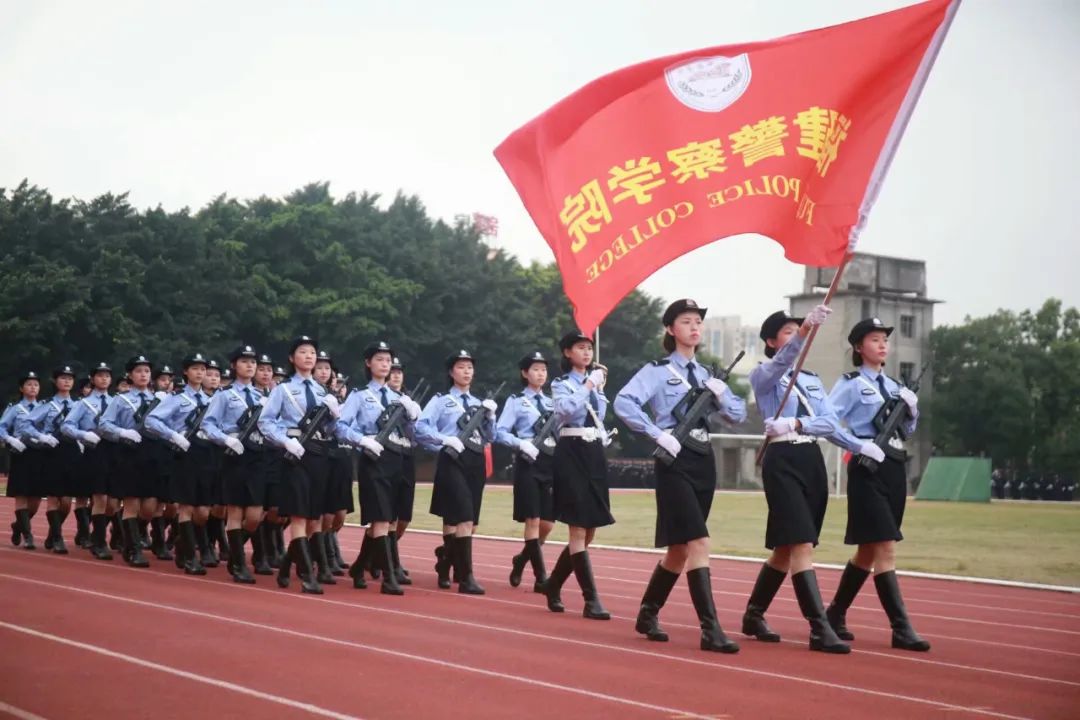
point(907, 326)
point(907, 371)
point(865, 309)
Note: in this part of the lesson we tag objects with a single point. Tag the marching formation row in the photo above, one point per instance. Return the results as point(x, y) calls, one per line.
point(195, 473)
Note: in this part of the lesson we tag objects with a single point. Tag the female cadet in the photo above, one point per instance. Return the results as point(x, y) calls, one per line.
point(459, 481)
point(262, 541)
point(81, 425)
point(684, 489)
point(134, 471)
point(332, 502)
point(532, 469)
point(190, 478)
point(59, 462)
point(406, 495)
point(380, 475)
point(579, 470)
point(213, 531)
point(795, 479)
point(243, 474)
point(302, 485)
point(876, 498)
point(25, 464)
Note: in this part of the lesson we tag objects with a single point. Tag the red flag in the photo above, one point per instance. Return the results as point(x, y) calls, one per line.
point(788, 138)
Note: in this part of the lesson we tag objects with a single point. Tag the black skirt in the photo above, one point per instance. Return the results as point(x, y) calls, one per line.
point(876, 502)
point(25, 473)
point(533, 493)
point(275, 467)
point(406, 490)
point(684, 497)
point(797, 491)
point(379, 481)
point(301, 491)
point(339, 486)
point(94, 470)
point(193, 477)
point(243, 478)
point(459, 488)
point(60, 469)
point(580, 487)
point(134, 470)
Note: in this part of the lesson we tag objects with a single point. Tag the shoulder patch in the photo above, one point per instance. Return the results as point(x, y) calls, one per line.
point(868, 391)
point(851, 375)
point(674, 381)
point(661, 362)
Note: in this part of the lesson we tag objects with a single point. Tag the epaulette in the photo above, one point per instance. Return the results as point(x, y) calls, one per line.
point(438, 394)
point(515, 395)
point(809, 372)
point(895, 380)
point(661, 362)
point(852, 375)
point(562, 378)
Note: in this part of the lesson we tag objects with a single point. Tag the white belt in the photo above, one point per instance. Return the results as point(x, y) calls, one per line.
point(794, 438)
point(589, 434)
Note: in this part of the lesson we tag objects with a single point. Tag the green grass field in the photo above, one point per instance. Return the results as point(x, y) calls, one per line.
point(1011, 541)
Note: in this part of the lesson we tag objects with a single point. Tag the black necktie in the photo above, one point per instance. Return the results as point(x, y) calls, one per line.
point(30, 406)
point(539, 403)
point(198, 401)
point(247, 397)
point(102, 404)
point(881, 387)
point(142, 401)
point(385, 400)
point(309, 396)
point(690, 377)
point(65, 407)
point(465, 401)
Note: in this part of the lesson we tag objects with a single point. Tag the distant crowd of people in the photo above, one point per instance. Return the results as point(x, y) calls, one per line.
point(1032, 485)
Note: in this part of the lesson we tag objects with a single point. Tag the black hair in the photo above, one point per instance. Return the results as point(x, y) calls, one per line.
point(769, 351)
point(668, 342)
point(856, 357)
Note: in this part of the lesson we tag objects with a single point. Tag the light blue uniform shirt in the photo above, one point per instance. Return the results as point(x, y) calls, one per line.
point(175, 413)
point(23, 426)
point(286, 407)
point(439, 419)
point(120, 415)
point(519, 415)
point(362, 409)
point(857, 398)
point(7, 423)
point(572, 399)
point(85, 415)
point(222, 419)
point(662, 385)
point(49, 415)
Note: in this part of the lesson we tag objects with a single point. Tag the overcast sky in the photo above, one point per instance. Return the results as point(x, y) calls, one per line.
point(179, 102)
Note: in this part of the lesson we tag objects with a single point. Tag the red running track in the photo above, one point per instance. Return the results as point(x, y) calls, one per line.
point(78, 633)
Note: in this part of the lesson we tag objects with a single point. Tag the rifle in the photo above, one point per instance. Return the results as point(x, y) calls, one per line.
point(543, 435)
point(469, 423)
point(889, 422)
point(691, 412)
point(140, 419)
point(314, 421)
point(247, 427)
point(194, 420)
point(391, 426)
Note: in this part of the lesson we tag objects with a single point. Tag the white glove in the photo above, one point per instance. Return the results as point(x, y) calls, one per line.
point(911, 399)
point(597, 377)
point(872, 451)
point(293, 447)
point(818, 315)
point(453, 442)
point(331, 402)
point(90, 438)
point(717, 387)
point(180, 441)
point(669, 443)
point(528, 450)
point(50, 441)
point(412, 408)
point(235, 445)
point(369, 443)
point(16, 444)
point(490, 406)
point(779, 426)
point(131, 435)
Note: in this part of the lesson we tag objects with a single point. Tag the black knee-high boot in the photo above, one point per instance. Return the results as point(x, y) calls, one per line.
point(237, 562)
point(157, 539)
point(444, 560)
point(384, 556)
point(260, 545)
point(904, 636)
point(22, 519)
point(463, 562)
point(399, 572)
point(322, 561)
point(536, 559)
point(56, 532)
point(356, 570)
point(822, 636)
point(300, 554)
point(712, 635)
point(100, 548)
point(133, 549)
point(186, 546)
point(553, 586)
point(337, 561)
point(583, 572)
point(116, 534)
point(768, 582)
point(517, 565)
point(656, 594)
point(82, 527)
point(850, 583)
point(207, 556)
